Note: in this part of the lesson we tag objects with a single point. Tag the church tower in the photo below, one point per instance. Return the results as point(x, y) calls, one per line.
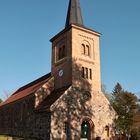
point(75, 53)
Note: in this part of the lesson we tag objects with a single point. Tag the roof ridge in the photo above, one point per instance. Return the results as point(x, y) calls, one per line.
point(32, 83)
point(27, 90)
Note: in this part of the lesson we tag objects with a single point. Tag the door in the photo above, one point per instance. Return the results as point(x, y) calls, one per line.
point(85, 131)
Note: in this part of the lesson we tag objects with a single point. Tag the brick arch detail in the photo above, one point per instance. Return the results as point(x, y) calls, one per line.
point(92, 127)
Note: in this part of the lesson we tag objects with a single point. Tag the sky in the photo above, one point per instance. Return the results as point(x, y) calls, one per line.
point(26, 26)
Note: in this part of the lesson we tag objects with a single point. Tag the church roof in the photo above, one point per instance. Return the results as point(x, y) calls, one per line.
point(27, 89)
point(50, 99)
point(74, 15)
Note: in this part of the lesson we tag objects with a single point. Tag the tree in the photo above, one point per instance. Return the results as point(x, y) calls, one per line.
point(0, 100)
point(126, 105)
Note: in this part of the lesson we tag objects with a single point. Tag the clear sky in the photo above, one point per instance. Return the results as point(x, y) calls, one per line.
point(26, 26)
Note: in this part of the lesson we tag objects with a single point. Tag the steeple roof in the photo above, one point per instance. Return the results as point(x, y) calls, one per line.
point(74, 15)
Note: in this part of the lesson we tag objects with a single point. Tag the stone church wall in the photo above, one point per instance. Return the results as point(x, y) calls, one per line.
point(75, 106)
point(20, 119)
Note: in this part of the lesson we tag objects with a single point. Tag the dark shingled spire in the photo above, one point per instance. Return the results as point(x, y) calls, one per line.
point(74, 13)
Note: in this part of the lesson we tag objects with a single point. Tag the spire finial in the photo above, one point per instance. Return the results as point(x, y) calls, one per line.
point(74, 15)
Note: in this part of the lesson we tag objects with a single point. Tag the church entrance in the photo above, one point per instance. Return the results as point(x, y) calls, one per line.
point(86, 130)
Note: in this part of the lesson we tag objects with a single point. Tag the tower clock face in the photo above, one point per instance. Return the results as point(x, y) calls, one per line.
point(61, 73)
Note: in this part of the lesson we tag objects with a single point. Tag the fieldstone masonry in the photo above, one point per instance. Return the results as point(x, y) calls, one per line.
point(73, 108)
point(20, 119)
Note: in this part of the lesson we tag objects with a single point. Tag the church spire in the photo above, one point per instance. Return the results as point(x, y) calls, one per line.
point(74, 13)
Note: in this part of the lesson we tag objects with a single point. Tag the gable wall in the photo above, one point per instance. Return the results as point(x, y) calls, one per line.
point(73, 108)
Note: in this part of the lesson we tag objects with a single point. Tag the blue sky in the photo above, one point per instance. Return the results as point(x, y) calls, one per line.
point(26, 26)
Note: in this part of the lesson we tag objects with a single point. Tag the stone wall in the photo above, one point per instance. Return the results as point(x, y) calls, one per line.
point(20, 119)
point(73, 107)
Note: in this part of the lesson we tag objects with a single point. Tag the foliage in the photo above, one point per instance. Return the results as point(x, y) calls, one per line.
point(1, 100)
point(128, 109)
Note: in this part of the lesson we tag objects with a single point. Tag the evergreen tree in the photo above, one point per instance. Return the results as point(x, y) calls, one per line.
point(126, 105)
point(0, 100)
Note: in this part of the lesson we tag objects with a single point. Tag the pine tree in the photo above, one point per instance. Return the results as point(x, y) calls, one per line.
point(126, 105)
point(0, 100)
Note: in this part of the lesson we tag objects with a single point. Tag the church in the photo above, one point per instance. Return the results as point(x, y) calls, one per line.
point(67, 103)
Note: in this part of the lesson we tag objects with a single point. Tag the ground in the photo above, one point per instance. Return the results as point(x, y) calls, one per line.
point(2, 137)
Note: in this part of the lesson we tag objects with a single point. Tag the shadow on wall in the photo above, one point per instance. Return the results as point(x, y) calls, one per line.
point(73, 106)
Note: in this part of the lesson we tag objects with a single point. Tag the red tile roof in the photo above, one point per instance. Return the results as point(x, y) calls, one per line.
point(27, 89)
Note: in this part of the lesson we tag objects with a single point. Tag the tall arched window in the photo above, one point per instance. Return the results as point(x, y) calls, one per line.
point(83, 72)
point(87, 50)
point(86, 73)
point(61, 52)
point(90, 74)
point(83, 49)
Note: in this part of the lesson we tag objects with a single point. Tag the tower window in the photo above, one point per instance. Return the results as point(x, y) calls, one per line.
point(61, 52)
point(90, 74)
point(83, 49)
point(87, 73)
point(83, 72)
point(87, 50)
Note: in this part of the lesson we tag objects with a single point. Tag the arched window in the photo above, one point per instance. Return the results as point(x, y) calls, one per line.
point(87, 73)
point(83, 72)
point(87, 50)
point(107, 131)
point(90, 74)
point(85, 130)
point(83, 49)
point(61, 52)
